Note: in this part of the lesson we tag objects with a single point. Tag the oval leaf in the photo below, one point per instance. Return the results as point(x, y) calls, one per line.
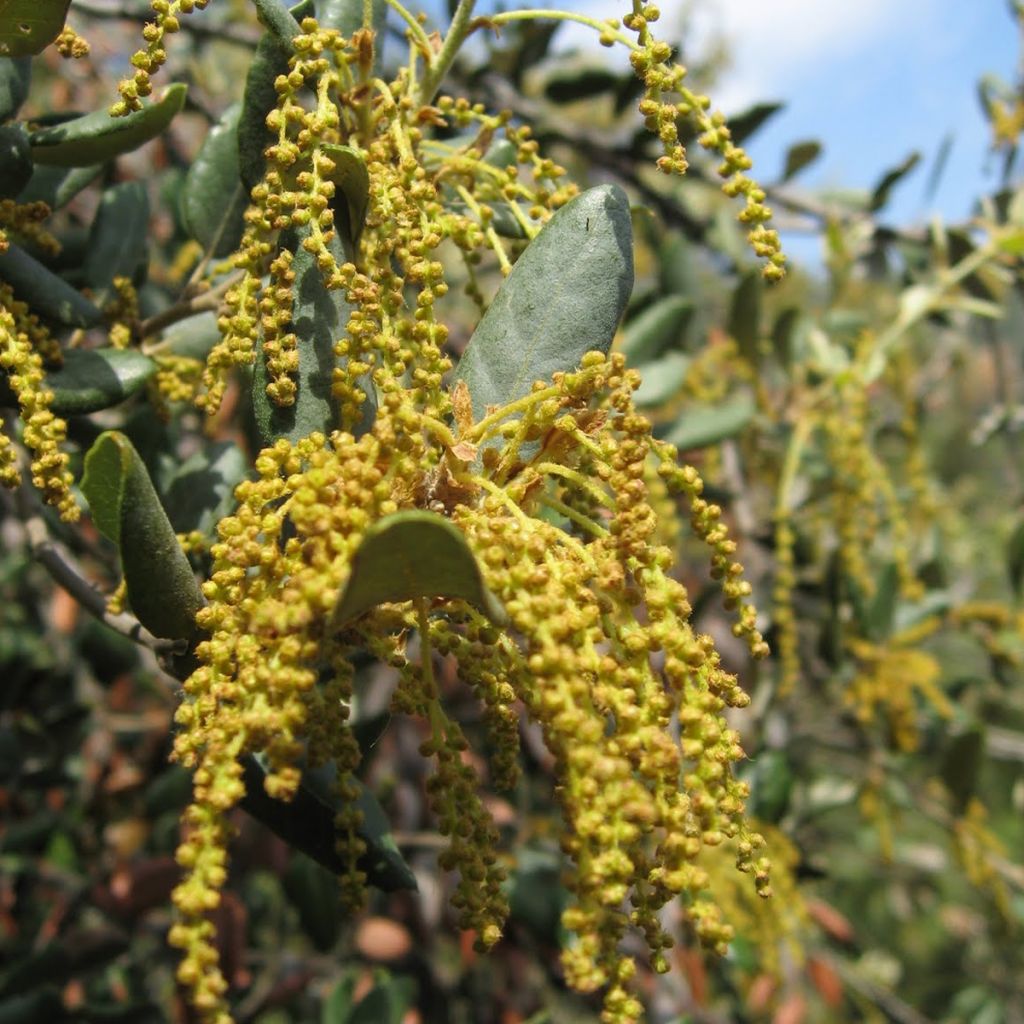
point(46, 294)
point(799, 156)
point(707, 425)
point(15, 160)
point(27, 27)
point(745, 315)
point(14, 81)
point(201, 492)
point(347, 16)
point(162, 589)
point(656, 329)
point(97, 379)
point(307, 824)
point(118, 237)
point(564, 297)
point(662, 380)
point(409, 555)
point(319, 317)
point(352, 192)
point(193, 337)
point(98, 137)
point(214, 199)
point(57, 186)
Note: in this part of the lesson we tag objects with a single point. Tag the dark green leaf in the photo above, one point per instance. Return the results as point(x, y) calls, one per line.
point(337, 1007)
point(201, 492)
point(799, 156)
point(96, 379)
point(744, 124)
point(15, 160)
point(57, 186)
point(1015, 558)
point(409, 555)
point(44, 1004)
point(745, 314)
point(276, 18)
point(564, 297)
point(501, 153)
point(46, 294)
point(784, 334)
point(307, 824)
point(701, 426)
point(961, 764)
point(352, 193)
point(27, 27)
point(881, 611)
point(313, 891)
point(118, 238)
point(214, 200)
point(162, 590)
point(880, 193)
point(15, 73)
point(260, 97)
point(98, 137)
point(319, 317)
point(662, 379)
point(504, 221)
point(771, 786)
point(347, 16)
point(580, 84)
point(193, 337)
point(386, 1003)
point(658, 328)
point(536, 894)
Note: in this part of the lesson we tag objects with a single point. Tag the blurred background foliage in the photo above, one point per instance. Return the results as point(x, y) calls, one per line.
point(862, 425)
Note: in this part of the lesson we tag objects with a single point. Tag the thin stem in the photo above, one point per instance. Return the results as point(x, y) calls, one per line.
point(582, 521)
point(460, 27)
point(185, 308)
point(414, 26)
point(539, 14)
point(66, 572)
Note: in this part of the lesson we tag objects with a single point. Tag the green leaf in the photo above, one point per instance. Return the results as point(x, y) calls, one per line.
point(564, 297)
point(659, 327)
point(352, 193)
point(259, 98)
point(93, 379)
point(386, 1003)
point(1015, 558)
point(881, 612)
point(46, 294)
point(771, 785)
point(799, 156)
point(214, 200)
point(662, 379)
point(580, 84)
point(307, 824)
point(276, 18)
point(961, 765)
point(201, 492)
point(337, 1007)
point(745, 315)
point(702, 426)
point(785, 334)
point(27, 27)
point(118, 238)
point(504, 221)
point(880, 193)
point(347, 16)
point(15, 160)
point(162, 590)
point(319, 316)
point(193, 337)
point(409, 555)
point(14, 81)
point(744, 124)
point(57, 186)
point(98, 137)
point(313, 891)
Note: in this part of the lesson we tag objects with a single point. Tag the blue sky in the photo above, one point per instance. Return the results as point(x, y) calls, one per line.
point(872, 80)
